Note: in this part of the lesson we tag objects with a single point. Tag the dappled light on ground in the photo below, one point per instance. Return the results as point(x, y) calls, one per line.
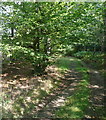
point(65, 91)
point(23, 92)
point(26, 93)
point(57, 99)
point(96, 95)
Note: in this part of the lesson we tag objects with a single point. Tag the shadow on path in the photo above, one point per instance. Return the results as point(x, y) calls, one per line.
point(55, 100)
point(96, 110)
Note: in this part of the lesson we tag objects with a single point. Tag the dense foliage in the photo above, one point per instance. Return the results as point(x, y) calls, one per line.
point(50, 51)
point(36, 31)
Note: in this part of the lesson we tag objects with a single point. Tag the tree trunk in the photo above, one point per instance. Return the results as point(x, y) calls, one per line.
point(38, 45)
point(45, 46)
point(12, 32)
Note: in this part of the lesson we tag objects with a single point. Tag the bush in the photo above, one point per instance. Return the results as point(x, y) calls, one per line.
point(69, 50)
point(83, 54)
point(96, 59)
point(40, 62)
point(17, 53)
point(5, 53)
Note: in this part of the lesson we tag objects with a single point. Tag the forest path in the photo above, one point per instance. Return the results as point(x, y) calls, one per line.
point(21, 90)
point(97, 95)
point(53, 102)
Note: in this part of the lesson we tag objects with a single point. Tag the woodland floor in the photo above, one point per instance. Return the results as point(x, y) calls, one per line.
point(27, 96)
point(96, 110)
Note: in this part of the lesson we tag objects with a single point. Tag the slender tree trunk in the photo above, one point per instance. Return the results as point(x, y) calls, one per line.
point(45, 46)
point(38, 45)
point(12, 32)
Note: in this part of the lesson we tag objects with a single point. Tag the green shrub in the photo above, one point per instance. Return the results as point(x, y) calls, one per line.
point(69, 50)
point(40, 62)
point(17, 53)
point(94, 58)
point(82, 54)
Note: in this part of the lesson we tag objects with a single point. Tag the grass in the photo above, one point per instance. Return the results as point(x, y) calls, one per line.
point(76, 104)
point(63, 63)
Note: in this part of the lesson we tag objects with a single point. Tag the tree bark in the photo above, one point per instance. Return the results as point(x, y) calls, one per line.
point(12, 32)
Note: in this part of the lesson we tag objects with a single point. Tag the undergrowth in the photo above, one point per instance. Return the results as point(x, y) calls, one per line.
point(95, 59)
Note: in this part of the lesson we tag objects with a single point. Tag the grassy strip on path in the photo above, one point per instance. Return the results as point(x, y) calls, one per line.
point(76, 104)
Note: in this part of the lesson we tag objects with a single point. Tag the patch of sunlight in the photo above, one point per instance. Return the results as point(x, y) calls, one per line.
point(40, 79)
point(75, 109)
point(12, 82)
point(22, 110)
point(62, 69)
point(36, 91)
point(24, 87)
point(95, 86)
point(47, 85)
point(59, 102)
point(83, 83)
point(37, 100)
point(23, 79)
point(28, 99)
point(72, 59)
point(7, 104)
point(96, 72)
